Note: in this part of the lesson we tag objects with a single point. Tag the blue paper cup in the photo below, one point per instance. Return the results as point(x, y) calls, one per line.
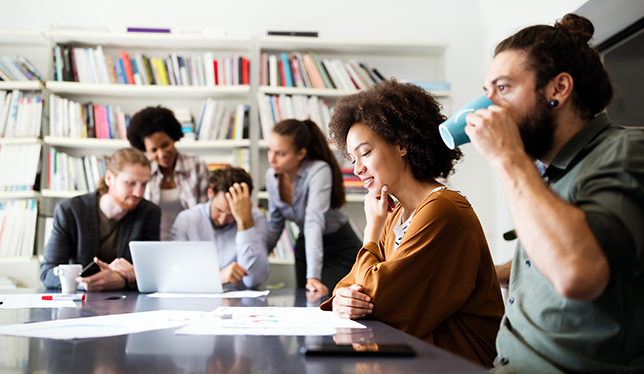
point(453, 130)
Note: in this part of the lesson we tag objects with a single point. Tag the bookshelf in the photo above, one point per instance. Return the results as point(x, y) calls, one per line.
point(132, 98)
point(406, 60)
point(33, 45)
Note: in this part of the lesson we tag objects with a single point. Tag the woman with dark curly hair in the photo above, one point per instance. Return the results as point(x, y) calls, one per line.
point(304, 185)
point(178, 181)
point(425, 267)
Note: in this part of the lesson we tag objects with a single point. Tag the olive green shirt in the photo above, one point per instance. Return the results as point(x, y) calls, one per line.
point(109, 238)
point(601, 171)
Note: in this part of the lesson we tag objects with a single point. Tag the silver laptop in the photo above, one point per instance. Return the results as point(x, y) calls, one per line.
point(179, 267)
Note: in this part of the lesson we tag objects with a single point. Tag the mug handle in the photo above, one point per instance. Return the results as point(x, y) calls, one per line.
point(58, 271)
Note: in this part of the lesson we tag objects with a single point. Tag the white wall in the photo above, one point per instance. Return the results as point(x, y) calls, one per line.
point(472, 27)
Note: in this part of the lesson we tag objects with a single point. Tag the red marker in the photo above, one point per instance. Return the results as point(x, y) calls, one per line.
point(73, 297)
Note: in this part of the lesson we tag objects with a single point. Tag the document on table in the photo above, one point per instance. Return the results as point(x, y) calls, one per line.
point(17, 301)
point(224, 295)
point(269, 321)
point(102, 326)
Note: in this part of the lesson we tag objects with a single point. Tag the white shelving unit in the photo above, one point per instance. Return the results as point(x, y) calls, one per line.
point(34, 45)
point(126, 90)
point(132, 98)
point(406, 60)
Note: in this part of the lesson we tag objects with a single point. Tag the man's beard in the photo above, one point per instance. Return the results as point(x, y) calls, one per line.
point(537, 128)
point(123, 203)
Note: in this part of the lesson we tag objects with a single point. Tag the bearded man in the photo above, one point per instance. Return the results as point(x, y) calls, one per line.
point(98, 226)
point(575, 283)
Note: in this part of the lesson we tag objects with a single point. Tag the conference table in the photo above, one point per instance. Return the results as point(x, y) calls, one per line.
point(162, 351)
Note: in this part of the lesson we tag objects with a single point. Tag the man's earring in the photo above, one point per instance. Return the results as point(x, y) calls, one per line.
point(554, 103)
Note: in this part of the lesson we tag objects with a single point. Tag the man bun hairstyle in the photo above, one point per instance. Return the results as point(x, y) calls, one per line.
point(564, 47)
point(149, 120)
point(400, 113)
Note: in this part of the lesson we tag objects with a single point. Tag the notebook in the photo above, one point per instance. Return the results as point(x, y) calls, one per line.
point(180, 267)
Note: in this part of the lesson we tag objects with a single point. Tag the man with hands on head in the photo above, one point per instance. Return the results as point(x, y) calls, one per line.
point(575, 283)
point(231, 221)
point(98, 226)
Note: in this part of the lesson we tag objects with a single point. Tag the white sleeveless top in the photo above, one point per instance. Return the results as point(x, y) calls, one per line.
point(170, 205)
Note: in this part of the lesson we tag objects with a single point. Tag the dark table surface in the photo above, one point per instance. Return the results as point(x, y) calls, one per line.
point(162, 351)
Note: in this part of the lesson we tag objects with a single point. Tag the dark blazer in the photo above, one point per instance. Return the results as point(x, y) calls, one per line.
point(75, 235)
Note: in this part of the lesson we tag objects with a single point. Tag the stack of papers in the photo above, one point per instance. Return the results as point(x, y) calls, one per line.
point(269, 321)
point(221, 321)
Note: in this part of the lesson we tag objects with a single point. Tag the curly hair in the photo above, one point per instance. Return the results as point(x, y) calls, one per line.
point(150, 120)
point(222, 179)
point(564, 47)
point(401, 113)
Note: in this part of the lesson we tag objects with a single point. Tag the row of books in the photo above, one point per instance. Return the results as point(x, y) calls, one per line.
point(18, 69)
point(20, 113)
point(92, 65)
point(219, 120)
point(68, 118)
point(67, 173)
point(19, 164)
point(18, 227)
point(285, 247)
point(352, 184)
point(275, 108)
point(307, 71)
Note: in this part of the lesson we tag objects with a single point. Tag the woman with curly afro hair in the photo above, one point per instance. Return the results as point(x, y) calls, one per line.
point(425, 267)
point(178, 181)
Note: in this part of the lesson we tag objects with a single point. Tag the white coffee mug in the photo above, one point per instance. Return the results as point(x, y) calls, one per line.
point(68, 274)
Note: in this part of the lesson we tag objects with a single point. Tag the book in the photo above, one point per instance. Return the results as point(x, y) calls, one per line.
point(183, 71)
point(208, 64)
point(169, 71)
point(311, 69)
point(175, 68)
point(101, 66)
point(58, 64)
point(32, 69)
point(245, 71)
point(67, 64)
point(272, 73)
point(91, 63)
point(127, 68)
point(320, 71)
point(305, 75)
point(148, 70)
point(285, 67)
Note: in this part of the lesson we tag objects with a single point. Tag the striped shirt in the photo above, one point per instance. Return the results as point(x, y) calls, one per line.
point(310, 209)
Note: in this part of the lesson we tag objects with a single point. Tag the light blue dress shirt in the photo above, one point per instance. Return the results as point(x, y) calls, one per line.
point(246, 247)
point(310, 209)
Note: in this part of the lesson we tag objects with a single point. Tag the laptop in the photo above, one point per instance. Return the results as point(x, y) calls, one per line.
point(179, 267)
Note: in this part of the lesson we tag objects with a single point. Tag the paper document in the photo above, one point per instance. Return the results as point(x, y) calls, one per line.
point(102, 326)
point(18, 301)
point(225, 295)
point(269, 321)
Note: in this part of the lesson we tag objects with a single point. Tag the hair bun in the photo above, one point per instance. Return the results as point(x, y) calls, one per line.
point(576, 25)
